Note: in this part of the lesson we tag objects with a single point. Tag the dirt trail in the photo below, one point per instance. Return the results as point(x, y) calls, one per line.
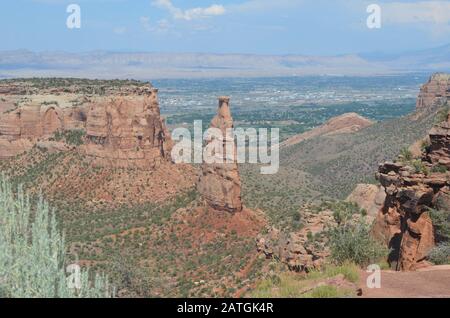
point(432, 282)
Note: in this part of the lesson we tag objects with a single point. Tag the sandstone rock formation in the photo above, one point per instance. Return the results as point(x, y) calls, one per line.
point(412, 188)
point(369, 197)
point(414, 185)
point(303, 250)
point(122, 121)
point(439, 150)
point(20, 128)
point(404, 222)
point(124, 132)
point(219, 183)
point(343, 124)
point(435, 91)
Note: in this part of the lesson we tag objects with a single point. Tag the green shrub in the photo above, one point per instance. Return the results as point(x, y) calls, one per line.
point(293, 285)
point(439, 169)
point(441, 223)
point(440, 255)
point(352, 242)
point(71, 137)
point(325, 291)
point(32, 252)
point(349, 270)
point(406, 154)
point(441, 116)
point(344, 211)
point(425, 144)
point(420, 167)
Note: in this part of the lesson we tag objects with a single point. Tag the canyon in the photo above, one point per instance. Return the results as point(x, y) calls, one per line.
point(100, 152)
point(398, 206)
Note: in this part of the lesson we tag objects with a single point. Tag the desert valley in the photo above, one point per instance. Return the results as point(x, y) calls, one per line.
point(351, 192)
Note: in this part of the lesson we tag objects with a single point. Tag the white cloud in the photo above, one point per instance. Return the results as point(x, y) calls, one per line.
point(190, 14)
point(145, 22)
point(252, 6)
point(160, 26)
point(120, 30)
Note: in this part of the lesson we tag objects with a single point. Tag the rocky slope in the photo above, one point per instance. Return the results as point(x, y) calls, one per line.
point(412, 188)
point(302, 250)
point(414, 185)
point(395, 206)
point(109, 136)
point(344, 124)
point(101, 157)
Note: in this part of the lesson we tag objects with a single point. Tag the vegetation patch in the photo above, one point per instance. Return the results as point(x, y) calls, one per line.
point(72, 137)
point(32, 253)
point(283, 284)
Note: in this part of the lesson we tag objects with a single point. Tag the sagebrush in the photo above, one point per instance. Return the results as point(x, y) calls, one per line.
point(32, 253)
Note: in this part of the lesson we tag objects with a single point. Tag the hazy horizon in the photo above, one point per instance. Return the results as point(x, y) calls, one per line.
point(263, 27)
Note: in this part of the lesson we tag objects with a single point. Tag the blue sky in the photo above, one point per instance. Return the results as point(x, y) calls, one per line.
point(316, 27)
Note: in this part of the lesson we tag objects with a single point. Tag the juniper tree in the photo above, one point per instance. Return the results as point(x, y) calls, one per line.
point(32, 253)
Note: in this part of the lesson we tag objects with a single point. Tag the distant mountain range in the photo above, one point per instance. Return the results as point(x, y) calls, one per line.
point(103, 64)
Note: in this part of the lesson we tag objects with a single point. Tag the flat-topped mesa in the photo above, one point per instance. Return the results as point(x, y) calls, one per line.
point(127, 132)
point(435, 92)
point(52, 86)
point(121, 120)
point(220, 183)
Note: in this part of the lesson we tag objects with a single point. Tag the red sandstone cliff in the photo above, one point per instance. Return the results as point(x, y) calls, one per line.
point(123, 126)
point(124, 132)
point(413, 186)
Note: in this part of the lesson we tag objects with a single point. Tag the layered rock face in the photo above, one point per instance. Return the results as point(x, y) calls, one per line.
point(122, 124)
point(439, 151)
point(404, 222)
point(20, 128)
point(413, 186)
point(127, 133)
point(435, 91)
point(219, 183)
